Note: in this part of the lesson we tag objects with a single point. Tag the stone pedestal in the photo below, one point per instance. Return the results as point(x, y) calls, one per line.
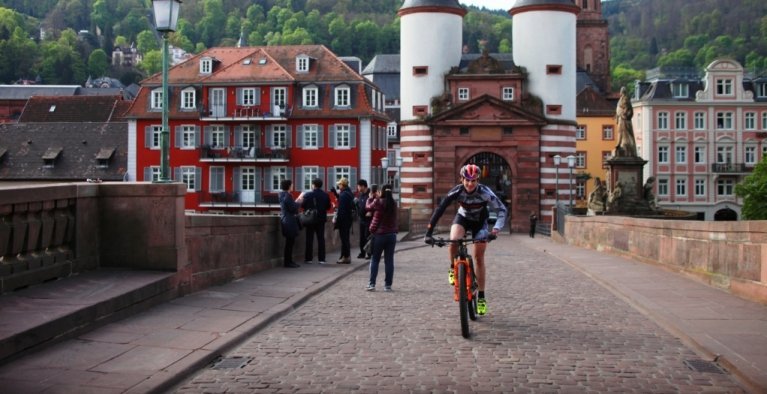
point(626, 192)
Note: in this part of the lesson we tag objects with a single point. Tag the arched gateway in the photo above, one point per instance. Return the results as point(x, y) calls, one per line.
point(496, 174)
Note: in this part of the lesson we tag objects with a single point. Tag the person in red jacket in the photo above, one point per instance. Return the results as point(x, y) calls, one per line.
point(383, 227)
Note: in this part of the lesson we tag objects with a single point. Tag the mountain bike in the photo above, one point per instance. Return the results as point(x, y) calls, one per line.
point(466, 287)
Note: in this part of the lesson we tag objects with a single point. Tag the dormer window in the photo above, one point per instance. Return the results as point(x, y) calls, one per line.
point(156, 99)
point(302, 63)
point(761, 90)
point(343, 96)
point(188, 99)
point(103, 157)
point(310, 96)
point(724, 87)
point(680, 90)
point(206, 65)
point(50, 156)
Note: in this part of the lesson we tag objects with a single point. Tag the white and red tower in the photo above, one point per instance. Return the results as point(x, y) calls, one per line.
point(431, 37)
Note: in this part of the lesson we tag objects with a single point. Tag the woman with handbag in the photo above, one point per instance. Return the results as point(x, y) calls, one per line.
point(383, 228)
point(289, 222)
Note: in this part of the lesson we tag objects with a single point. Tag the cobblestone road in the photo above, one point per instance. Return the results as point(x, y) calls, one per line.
point(549, 329)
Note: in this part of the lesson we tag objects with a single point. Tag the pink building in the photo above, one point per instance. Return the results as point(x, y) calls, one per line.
point(701, 136)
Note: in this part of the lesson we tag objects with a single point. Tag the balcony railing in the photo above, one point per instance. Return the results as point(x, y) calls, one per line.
point(245, 113)
point(243, 154)
point(238, 199)
point(729, 168)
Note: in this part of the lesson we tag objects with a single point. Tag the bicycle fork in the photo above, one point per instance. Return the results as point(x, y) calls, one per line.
point(470, 279)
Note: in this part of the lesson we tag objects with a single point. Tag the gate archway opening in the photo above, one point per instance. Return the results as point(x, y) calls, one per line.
point(496, 174)
point(725, 215)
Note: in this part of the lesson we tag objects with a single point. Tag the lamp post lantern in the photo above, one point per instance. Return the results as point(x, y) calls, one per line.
point(570, 165)
point(557, 162)
point(165, 18)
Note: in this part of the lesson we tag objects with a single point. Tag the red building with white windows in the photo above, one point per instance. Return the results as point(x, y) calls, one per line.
point(243, 119)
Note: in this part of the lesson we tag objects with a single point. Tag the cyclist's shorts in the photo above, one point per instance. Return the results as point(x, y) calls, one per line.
point(470, 225)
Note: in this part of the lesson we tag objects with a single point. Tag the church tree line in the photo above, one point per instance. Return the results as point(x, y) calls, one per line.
point(644, 33)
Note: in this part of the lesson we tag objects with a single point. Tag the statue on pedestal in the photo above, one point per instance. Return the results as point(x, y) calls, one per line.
point(598, 197)
point(616, 195)
point(623, 113)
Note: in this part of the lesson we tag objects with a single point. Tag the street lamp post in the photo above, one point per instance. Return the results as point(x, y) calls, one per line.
point(570, 165)
point(165, 18)
point(557, 162)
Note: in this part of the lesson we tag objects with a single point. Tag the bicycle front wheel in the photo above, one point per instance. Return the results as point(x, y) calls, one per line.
point(474, 289)
point(463, 300)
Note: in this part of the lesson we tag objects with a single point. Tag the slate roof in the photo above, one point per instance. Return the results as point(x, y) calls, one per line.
point(72, 148)
point(383, 64)
point(46, 109)
point(24, 92)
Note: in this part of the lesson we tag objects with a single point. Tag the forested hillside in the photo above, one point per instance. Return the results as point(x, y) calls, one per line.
point(645, 33)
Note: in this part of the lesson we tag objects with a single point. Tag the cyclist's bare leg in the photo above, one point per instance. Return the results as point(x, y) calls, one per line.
point(456, 232)
point(479, 260)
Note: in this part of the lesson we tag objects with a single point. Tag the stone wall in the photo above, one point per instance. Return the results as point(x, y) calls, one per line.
point(728, 255)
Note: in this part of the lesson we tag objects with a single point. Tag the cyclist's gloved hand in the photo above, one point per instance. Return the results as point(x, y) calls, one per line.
point(493, 234)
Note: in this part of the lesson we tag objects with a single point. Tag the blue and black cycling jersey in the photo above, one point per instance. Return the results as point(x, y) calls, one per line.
point(472, 206)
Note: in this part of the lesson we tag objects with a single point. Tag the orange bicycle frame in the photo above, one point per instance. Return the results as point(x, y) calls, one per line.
point(469, 275)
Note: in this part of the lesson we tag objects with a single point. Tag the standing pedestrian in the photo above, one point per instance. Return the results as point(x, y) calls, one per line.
point(383, 226)
point(288, 222)
point(343, 219)
point(364, 216)
point(533, 222)
point(319, 200)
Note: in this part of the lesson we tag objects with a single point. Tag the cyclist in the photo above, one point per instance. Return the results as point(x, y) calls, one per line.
point(474, 199)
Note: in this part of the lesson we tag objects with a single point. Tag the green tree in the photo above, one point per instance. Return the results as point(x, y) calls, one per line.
point(98, 63)
point(147, 41)
point(151, 62)
point(679, 58)
point(62, 64)
point(19, 55)
point(753, 190)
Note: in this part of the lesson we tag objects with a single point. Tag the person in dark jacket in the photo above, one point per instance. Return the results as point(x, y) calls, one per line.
point(343, 219)
point(533, 223)
point(383, 226)
point(364, 216)
point(289, 222)
point(317, 199)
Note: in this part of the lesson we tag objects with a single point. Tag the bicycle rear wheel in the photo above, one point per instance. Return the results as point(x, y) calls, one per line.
point(463, 300)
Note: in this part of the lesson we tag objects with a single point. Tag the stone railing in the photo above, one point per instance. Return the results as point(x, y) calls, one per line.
point(728, 255)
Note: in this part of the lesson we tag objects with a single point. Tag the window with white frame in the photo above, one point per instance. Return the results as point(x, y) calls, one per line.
point(188, 137)
point(507, 94)
point(700, 155)
point(155, 138)
point(750, 121)
point(725, 187)
point(156, 101)
point(391, 130)
point(217, 176)
point(681, 187)
point(724, 121)
point(248, 179)
point(607, 133)
point(188, 98)
point(700, 120)
point(343, 96)
point(310, 173)
point(248, 136)
point(279, 174)
point(248, 97)
point(155, 172)
point(580, 159)
point(217, 136)
point(188, 177)
point(680, 90)
point(663, 120)
point(681, 155)
point(761, 90)
point(724, 154)
point(764, 120)
point(580, 132)
point(680, 120)
point(206, 65)
point(463, 94)
point(750, 154)
point(343, 136)
point(279, 96)
point(302, 64)
point(662, 187)
point(310, 94)
point(663, 154)
point(580, 190)
point(342, 172)
point(279, 136)
point(311, 136)
point(700, 188)
point(724, 87)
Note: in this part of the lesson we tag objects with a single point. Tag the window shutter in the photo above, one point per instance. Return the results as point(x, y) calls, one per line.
point(290, 175)
point(177, 133)
point(237, 179)
point(320, 92)
point(258, 136)
point(257, 99)
point(176, 174)
point(238, 136)
point(320, 136)
point(331, 177)
point(197, 179)
point(147, 174)
point(227, 137)
point(300, 137)
point(147, 136)
point(259, 179)
point(321, 174)
point(239, 96)
point(353, 176)
point(353, 136)
point(269, 138)
point(300, 172)
point(208, 136)
point(289, 139)
point(332, 136)
point(196, 137)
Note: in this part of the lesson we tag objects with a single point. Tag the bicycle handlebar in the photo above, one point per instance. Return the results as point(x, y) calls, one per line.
point(442, 241)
